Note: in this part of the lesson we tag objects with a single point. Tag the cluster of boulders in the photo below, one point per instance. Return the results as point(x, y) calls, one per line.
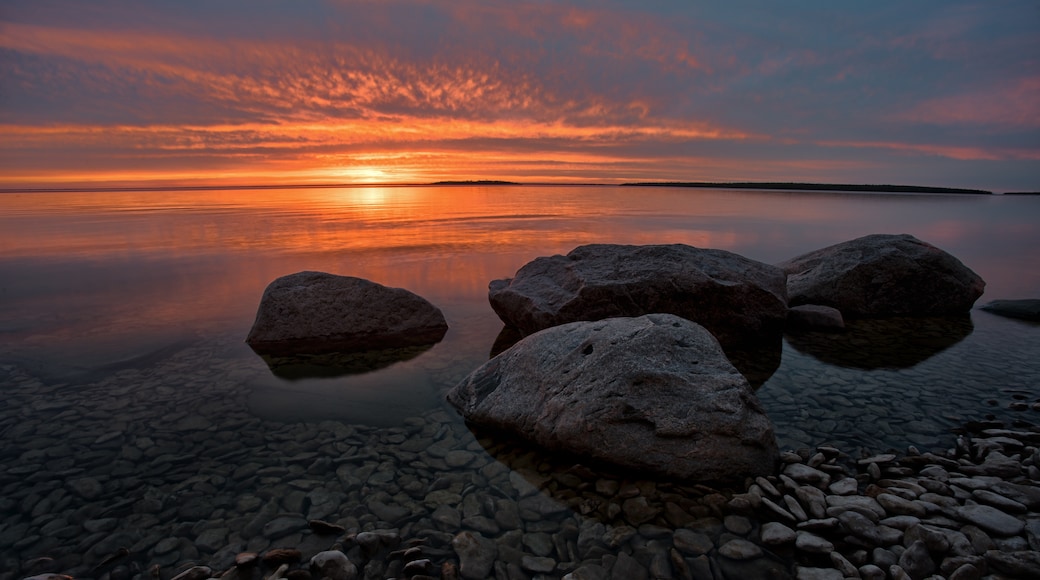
point(627, 349)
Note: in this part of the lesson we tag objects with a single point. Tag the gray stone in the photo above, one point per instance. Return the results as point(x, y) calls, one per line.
point(1024, 564)
point(990, 519)
point(654, 393)
point(283, 526)
point(737, 299)
point(775, 533)
point(691, 542)
point(334, 565)
point(883, 275)
point(738, 549)
point(916, 560)
point(476, 555)
point(812, 543)
point(312, 312)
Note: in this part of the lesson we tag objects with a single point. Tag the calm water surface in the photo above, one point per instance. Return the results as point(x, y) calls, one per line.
point(100, 287)
point(92, 280)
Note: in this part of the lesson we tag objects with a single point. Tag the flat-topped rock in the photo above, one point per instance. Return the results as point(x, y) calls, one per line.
point(653, 393)
point(883, 275)
point(315, 312)
point(738, 300)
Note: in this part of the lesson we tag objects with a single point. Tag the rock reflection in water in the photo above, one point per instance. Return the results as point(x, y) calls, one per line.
point(337, 364)
point(888, 343)
point(384, 398)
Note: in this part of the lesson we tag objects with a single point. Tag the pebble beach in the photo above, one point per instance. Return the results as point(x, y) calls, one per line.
point(162, 471)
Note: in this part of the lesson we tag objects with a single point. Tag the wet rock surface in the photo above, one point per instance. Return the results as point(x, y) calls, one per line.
point(653, 393)
point(317, 312)
point(739, 300)
point(883, 275)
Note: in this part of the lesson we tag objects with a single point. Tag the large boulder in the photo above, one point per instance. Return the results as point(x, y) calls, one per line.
point(739, 300)
point(314, 312)
point(654, 394)
point(883, 275)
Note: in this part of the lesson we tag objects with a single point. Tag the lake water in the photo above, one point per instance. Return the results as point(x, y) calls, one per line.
point(126, 379)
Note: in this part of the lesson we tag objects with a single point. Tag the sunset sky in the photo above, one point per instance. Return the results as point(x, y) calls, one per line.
point(194, 92)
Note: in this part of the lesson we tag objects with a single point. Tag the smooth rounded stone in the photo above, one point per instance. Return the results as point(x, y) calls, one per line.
point(965, 572)
point(314, 312)
point(807, 573)
point(541, 544)
point(916, 560)
point(737, 524)
point(166, 545)
point(740, 549)
point(1024, 564)
point(839, 504)
point(334, 565)
point(691, 542)
point(807, 475)
point(896, 572)
point(844, 486)
point(738, 300)
point(815, 317)
point(87, 488)
point(795, 508)
point(638, 510)
point(283, 526)
point(538, 564)
point(654, 393)
point(998, 501)
point(814, 500)
point(812, 543)
point(935, 539)
point(871, 572)
point(883, 275)
point(990, 519)
point(840, 563)
point(212, 539)
point(482, 524)
point(776, 509)
point(894, 504)
point(388, 513)
point(900, 522)
point(459, 458)
point(775, 534)
point(476, 555)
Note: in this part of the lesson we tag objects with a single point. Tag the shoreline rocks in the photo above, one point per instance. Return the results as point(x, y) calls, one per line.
point(316, 312)
point(653, 393)
point(740, 301)
point(883, 275)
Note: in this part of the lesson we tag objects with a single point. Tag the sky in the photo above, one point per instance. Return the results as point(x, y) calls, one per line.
point(197, 92)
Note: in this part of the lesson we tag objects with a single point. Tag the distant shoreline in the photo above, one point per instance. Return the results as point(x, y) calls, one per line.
point(794, 186)
point(763, 185)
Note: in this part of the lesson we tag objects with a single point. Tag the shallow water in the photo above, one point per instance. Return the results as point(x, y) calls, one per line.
point(122, 317)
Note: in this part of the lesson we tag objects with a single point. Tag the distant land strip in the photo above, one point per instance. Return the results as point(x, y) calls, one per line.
point(476, 182)
point(811, 187)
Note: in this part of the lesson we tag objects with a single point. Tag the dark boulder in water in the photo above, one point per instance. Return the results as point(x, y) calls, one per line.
point(316, 312)
point(883, 275)
point(739, 300)
point(653, 393)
